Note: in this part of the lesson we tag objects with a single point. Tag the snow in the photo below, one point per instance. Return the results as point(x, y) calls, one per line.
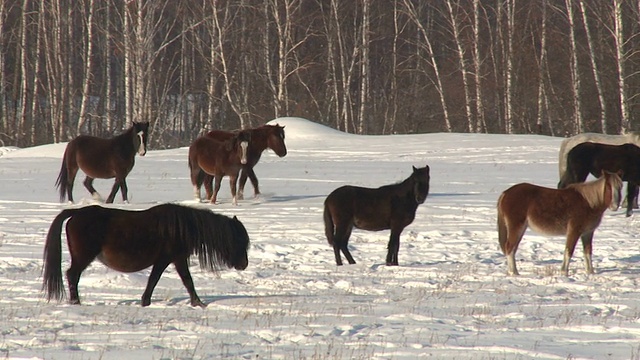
point(449, 298)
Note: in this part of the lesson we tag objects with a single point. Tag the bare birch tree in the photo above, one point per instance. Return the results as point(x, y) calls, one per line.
point(620, 58)
point(477, 69)
point(573, 65)
point(594, 67)
point(462, 63)
point(424, 35)
point(88, 64)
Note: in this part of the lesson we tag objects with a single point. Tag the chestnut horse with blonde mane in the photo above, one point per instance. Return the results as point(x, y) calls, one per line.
point(262, 137)
point(575, 211)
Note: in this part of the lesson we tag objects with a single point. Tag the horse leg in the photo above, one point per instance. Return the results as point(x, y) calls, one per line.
point(208, 185)
point(254, 182)
point(217, 181)
point(587, 248)
point(157, 270)
point(341, 242)
point(78, 265)
point(71, 177)
point(118, 184)
point(182, 267)
point(88, 184)
point(514, 236)
point(233, 179)
point(393, 247)
point(572, 240)
point(632, 194)
point(241, 182)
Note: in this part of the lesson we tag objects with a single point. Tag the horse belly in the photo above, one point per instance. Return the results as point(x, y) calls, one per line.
point(548, 226)
point(370, 224)
point(124, 262)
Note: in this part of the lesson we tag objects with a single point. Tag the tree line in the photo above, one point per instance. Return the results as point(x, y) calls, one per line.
point(556, 67)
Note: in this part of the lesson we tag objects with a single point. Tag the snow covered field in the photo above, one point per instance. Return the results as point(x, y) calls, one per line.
point(449, 298)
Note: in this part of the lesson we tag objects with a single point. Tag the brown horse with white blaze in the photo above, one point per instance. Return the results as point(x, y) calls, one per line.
point(575, 211)
point(102, 159)
point(217, 158)
point(262, 137)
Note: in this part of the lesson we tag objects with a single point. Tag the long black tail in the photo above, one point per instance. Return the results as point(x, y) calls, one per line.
point(63, 177)
point(52, 281)
point(328, 226)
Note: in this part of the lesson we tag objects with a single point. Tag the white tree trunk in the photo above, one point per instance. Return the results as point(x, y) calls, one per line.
point(455, 26)
point(364, 68)
point(620, 62)
point(594, 68)
point(413, 14)
point(88, 63)
point(574, 75)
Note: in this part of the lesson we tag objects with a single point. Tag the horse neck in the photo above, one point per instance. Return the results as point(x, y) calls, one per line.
point(598, 193)
point(128, 139)
point(259, 139)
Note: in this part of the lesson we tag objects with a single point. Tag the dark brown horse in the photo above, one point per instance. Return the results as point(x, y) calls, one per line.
point(575, 211)
point(130, 241)
point(388, 207)
point(262, 137)
point(593, 158)
point(217, 158)
point(102, 159)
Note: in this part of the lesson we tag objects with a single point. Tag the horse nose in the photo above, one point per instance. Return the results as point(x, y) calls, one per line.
point(242, 264)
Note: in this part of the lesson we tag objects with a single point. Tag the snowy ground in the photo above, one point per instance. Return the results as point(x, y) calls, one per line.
point(449, 298)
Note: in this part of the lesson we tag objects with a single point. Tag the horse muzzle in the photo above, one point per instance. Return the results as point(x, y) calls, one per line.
point(242, 264)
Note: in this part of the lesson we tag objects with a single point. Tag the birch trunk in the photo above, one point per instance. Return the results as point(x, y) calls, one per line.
point(594, 68)
point(620, 63)
point(424, 34)
point(364, 69)
point(481, 124)
point(455, 26)
point(88, 64)
point(574, 76)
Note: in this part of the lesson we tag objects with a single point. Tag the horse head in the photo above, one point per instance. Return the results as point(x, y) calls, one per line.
point(141, 130)
point(613, 182)
point(275, 140)
point(240, 143)
point(240, 260)
point(421, 179)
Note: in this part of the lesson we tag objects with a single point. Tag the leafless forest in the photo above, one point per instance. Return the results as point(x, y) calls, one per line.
point(554, 67)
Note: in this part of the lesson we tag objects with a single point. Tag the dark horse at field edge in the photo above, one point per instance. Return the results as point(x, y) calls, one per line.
point(102, 159)
point(217, 159)
point(388, 207)
point(575, 211)
point(262, 137)
point(593, 158)
point(129, 241)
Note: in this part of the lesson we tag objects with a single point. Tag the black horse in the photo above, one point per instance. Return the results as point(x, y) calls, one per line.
point(102, 159)
point(130, 241)
point(388, 207)
point(592, 158)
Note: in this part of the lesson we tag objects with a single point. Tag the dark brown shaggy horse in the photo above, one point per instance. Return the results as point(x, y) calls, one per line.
point(102, 159)
point(129, 241)
point(575, 211)
point(388, 207)
point(593, 158)
point(262, 137)
point(217, 158)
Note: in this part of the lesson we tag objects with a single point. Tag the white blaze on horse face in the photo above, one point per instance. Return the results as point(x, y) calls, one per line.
point(142, 150)
point(244, 145)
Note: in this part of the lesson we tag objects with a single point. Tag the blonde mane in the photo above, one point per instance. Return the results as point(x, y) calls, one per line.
point(593, 191)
